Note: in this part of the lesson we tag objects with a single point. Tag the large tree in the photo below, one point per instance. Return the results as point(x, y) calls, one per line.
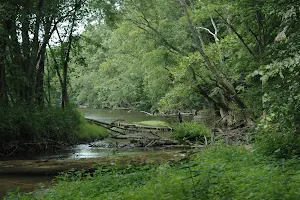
point(26, 28)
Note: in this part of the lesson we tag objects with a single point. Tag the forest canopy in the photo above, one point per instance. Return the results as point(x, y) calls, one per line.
point(233, 57)
point(240, 59)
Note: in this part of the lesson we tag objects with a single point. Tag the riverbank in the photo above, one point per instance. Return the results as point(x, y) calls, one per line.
point(54, 167)
point(31, 129)
point(27, 175)
point(219, 172)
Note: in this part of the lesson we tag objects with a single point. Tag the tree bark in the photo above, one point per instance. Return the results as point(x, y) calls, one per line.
point(39, 93)
point(3, 95)
point(65, 97)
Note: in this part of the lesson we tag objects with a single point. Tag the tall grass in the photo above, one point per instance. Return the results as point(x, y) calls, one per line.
point(191, 131)
point(46, 125)
point(89, 132)
point(35, 124)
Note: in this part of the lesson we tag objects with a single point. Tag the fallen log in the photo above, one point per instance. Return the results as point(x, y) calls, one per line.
point(127, 127)
point(105, 125)
point(138, 126)
point(146, 141)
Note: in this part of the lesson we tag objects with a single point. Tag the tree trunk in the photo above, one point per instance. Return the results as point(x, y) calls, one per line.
point(65, 97)
point(3, 95)
point(19, 84)
point(223, 83)
point(39, 93)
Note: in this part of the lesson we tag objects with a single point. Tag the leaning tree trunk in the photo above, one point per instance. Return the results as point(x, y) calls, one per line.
point(223, 83)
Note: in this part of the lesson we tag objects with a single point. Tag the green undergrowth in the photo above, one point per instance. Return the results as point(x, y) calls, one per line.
point(218, 172)
point(191, 131)
point(45, 125)
point(154, 123)
point(38, 124)
point(89, 132)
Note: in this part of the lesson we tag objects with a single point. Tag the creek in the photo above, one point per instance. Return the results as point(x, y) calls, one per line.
point(129, 116)
point(98, 149)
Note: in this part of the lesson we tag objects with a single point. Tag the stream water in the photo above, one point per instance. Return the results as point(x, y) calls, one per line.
point(91, 150)
point(129, 116)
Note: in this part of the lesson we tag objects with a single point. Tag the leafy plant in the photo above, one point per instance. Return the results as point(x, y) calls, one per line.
point(279, 127)
point(191, 131)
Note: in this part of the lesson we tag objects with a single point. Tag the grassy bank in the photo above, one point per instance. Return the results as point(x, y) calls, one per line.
point(43, 126)
point(219, 172)
point(89, 132)
point(154, 123)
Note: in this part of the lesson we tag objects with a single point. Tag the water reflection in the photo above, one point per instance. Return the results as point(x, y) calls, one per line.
point(129, 116)
point(92, 150)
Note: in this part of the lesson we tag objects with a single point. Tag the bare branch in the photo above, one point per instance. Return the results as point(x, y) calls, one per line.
point(214, 25)
point(209, 31)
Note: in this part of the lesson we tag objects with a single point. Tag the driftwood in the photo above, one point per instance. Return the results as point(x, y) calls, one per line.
point(105, 125)
point(141, 136)
point(147, 113)
point(141, 127)
point(231, 135)
point(146, 141)
point(127, 127)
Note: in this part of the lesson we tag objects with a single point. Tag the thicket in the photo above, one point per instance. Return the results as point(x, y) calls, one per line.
point(220, 172)
point(26, 85)
point(42, 126)
point(36, 123)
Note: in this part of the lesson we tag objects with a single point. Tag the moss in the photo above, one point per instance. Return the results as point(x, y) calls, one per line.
point(91, 132)
point(153, 123)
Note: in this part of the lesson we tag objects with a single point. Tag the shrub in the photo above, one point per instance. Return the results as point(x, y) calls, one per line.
point(191, 131)
point(273, 141)
point(46, 125)
point(38, 124)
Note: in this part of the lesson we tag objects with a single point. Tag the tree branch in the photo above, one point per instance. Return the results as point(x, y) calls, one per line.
point(237, 34)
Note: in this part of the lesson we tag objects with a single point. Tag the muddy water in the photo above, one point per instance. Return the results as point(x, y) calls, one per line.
point(22, 183)
point(98, 149)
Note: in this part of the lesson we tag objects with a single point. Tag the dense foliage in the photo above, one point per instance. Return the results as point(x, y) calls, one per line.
point(26, 30)
point(191, 131)
point(238, 58)
point(35, 124)
point(152, 60)
point(36, 39)
point(43, 128)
